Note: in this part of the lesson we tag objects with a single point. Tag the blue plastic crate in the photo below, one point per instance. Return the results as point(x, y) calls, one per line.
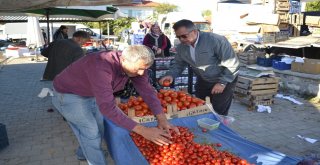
point(280, 65)
point(295, 7)
point(267, 62)
point(4, 142)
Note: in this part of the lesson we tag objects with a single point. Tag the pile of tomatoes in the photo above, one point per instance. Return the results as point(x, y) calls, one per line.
point(183, 151)
point(182, 99)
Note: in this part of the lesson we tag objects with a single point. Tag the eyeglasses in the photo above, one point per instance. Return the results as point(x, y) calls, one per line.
point(184, 36)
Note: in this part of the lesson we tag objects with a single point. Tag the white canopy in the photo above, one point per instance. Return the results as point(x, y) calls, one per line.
point(34, 34)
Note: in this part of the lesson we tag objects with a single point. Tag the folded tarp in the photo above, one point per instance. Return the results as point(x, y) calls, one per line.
point(124, 151)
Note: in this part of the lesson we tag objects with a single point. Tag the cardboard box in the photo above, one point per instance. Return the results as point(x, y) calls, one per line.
point(310, 66)
point(315, 32)
point(283, 26)
point(297, 67)
point(312, 20)
point(284, 18)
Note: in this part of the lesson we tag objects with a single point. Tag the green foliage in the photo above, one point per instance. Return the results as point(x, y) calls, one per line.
point(121, 24)
point(115, 26)
point(313, 6)
point(94, 25)
point(206, 13)
point(165, 8)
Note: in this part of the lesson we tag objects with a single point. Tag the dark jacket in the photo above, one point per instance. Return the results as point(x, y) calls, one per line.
point(59, 35)
point(150, 41)
point(60, 54)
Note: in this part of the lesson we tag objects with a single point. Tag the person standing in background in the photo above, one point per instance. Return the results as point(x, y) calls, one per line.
point(61, 33)
point(61, 53)
point(156, 40)
point(44, 37)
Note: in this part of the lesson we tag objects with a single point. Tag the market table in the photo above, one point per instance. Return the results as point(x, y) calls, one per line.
point(124, 151)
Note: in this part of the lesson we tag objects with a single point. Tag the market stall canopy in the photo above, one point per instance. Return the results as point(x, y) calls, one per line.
point(74, 13)
point(16, 5)
point(62, 14)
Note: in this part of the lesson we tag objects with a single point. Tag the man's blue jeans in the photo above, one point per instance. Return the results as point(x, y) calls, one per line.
point(86, 121)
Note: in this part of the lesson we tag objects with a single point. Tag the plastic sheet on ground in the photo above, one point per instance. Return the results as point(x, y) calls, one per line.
point(124, 151)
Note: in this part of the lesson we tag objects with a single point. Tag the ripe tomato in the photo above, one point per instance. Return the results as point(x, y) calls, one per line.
point(183, 150)
point(204, 130)
point(160, 95)
point(173, 95)
point(139, 98)
point(192, 105)
point(138, 107)
point(166, 83)
point(219, 145)
point(135, 102)
point(144, 105)
point(168, 99)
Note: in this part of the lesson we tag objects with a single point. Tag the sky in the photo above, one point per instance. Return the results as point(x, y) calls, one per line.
point(190, 5)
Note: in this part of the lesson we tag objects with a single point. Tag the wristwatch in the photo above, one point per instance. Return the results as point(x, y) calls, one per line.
point(222, 84)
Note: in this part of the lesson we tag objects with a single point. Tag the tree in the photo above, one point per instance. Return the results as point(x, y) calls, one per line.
point(206, 13)
point(121, 24)
point(165, 8)
point(116, 26)
point(313, 6)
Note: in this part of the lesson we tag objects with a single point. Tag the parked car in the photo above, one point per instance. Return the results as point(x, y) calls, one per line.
point(93, 34)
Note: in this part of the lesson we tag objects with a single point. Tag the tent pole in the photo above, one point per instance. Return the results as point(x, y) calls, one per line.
point(108, 30)
point(100, 29)
point(48, 28)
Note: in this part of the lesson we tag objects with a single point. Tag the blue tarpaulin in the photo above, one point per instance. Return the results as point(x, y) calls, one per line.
point(124, 151)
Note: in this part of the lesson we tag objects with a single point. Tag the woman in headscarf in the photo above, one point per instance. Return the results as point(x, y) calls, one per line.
point(156, 40)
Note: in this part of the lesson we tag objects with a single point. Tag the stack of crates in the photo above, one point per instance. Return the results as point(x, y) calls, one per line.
point(256, 91)
point(4, 142)
point(250, 57)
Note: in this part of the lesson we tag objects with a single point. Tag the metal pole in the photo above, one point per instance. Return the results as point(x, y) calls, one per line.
point(48, 28)
point(100, 30)
point(108, 30)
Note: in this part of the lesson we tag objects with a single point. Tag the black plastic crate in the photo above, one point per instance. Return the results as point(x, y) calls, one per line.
point(4, 142)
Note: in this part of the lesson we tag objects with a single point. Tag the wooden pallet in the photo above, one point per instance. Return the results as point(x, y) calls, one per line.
point(253, 101)
point(296, 19)
point(249, 57)
point(257, 86)
point(282, 6)
point(295, 29)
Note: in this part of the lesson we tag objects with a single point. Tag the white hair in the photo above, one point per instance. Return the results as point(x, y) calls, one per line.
point(138, 52)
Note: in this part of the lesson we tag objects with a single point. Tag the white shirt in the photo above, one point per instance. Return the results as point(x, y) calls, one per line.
point(193, 49)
